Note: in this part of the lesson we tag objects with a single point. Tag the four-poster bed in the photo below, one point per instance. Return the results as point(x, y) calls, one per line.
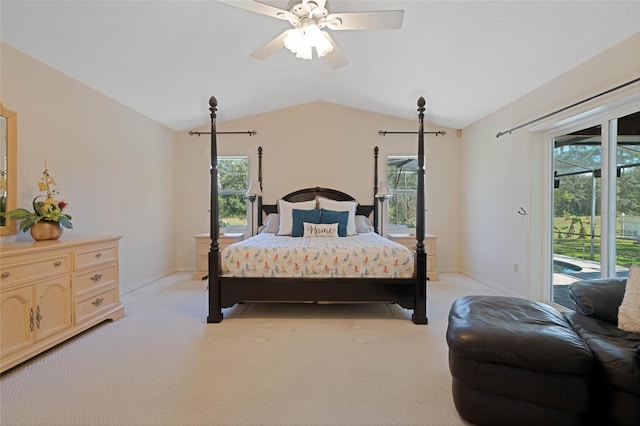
point(393, 286)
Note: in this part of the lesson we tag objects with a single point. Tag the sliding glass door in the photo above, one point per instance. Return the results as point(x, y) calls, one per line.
point(596, 203)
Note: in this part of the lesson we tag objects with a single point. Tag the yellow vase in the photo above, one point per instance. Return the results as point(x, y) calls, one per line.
point(46, 230)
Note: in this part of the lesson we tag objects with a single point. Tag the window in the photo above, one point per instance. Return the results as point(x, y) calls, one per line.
point(232, 186)
point(403, 181)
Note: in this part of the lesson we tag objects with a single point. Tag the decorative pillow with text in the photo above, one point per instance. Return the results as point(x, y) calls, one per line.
point(320, 230)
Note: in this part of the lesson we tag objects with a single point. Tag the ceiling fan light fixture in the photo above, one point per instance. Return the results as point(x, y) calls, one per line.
point(304, 52)
point(309, 19)
point(323, 45)
point(301, 41)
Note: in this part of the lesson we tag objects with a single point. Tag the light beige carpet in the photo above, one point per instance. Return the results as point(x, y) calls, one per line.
point(265, 364)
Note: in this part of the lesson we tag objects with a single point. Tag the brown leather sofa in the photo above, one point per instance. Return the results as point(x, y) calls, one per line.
point(518, 362)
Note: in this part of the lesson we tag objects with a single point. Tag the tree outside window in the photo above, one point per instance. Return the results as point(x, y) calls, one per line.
point(232, 186)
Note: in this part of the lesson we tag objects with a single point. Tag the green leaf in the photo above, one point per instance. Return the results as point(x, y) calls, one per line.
point(28, 223)
point(18, 214)
point(37, 205)
point(64, 221)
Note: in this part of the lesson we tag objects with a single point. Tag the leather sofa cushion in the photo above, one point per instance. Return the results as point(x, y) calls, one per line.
point(599, 298)
point(561, 391)
point(479, 407)
point(518, 332)
point(615, 350)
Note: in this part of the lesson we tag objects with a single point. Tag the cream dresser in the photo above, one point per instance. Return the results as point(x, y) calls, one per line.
point(203, 245)
point(409, 241)
point(53, 290)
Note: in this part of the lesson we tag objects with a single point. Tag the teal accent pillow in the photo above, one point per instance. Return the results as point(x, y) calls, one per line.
point(299, 217)
point(341, 218)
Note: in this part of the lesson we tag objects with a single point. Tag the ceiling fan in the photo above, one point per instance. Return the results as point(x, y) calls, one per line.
point(308, 18)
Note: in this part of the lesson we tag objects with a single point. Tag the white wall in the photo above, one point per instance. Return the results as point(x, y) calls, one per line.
point(113, 166)
point(499, 175)
point(326, 145)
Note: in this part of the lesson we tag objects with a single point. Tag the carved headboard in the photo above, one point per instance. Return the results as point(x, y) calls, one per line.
point(308, 194)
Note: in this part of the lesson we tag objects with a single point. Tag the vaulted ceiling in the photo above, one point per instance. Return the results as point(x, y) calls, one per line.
point(166, 58)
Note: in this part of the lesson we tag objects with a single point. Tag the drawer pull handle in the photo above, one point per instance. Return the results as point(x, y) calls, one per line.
point(96, 278)
point(5, 274)
point(57, 263)
point(38, 317)
point(31, 320)
point(98, 254)
point(98, 301)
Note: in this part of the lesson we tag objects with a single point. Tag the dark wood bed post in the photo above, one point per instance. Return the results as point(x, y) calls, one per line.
point(375, 190)
point(259, 180)
point(420, 308)
point(215, 309)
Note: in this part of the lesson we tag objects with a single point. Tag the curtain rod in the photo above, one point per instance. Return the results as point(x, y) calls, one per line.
point(535, 120)
point(385, 133)
point(249, 132)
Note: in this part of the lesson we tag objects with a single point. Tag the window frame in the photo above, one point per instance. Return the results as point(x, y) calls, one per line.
point(396, 228)
point(239, 191)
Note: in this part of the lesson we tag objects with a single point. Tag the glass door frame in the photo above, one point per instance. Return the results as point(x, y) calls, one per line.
point(541, 142)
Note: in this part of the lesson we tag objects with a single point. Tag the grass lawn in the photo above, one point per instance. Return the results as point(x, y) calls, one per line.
point(627, 251)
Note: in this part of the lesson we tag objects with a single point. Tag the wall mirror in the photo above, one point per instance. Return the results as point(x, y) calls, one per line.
point(8, 167)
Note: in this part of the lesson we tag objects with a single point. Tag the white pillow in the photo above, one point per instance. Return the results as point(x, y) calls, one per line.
point(341, 206)
point(320, 230)
point(363, 224)
point(629, 311)
point(271, 223)
point(285, 210)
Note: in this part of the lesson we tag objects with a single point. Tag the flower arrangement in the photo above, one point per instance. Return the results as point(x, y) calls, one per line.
point(50, 209)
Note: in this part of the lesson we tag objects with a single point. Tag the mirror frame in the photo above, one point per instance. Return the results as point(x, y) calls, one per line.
point(12, 168)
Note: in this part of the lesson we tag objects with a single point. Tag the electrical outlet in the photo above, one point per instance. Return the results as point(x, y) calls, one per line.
point(516, 267)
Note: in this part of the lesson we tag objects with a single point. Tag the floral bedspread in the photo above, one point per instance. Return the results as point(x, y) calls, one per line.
point(366, 255)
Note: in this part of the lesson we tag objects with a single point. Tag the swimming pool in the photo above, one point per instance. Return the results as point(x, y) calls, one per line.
point(562, 267)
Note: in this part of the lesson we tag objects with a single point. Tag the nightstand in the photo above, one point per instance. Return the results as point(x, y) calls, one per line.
point(203, 244)
point(409, 241)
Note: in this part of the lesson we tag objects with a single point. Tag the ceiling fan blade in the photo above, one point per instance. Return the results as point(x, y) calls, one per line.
point(379, 20)
point(270, 48)
point(258, 7)
point(335, 58)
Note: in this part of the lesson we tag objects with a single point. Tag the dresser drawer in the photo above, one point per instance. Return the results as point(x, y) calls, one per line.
point(95, 278)
point(23, 269)
point(95, 254)
point(203, 245)
point(431, 263)
point(202, 263)
point(94, 305)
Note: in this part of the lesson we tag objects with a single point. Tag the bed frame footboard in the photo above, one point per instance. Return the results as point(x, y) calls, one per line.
point(230, 291)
